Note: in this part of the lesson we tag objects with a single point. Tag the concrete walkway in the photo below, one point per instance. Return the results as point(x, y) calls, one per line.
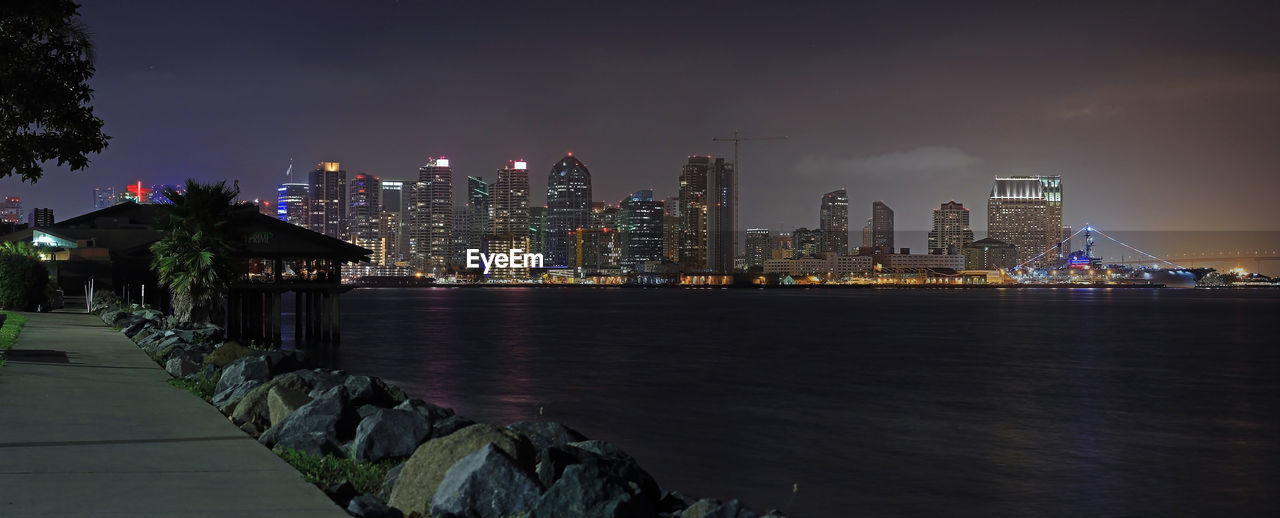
point(104, 434)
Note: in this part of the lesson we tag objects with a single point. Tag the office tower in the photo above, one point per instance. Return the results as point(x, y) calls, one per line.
point(989, 254)
point(478, 210)
point(757, 246)
point(389, 232)
point(780, 246)
point(604, 216)
point(393, 196)
point(537, 230)
point(1026, 212)
point(11, 210)
point(722, 216)
point(41, 217)
point(568, 207)
point(293, 203)
point(596, 251)
point(328, 189)
point(866, 234)
point(881, 225)
point(833, 221)
point(1064, 246)
point(692, 211)
point(951, 230)
point(462, 235)
point(103, 197)
point(806, 242)
point(431, 216)
point(364, 213)
point(510, 200)
point(640, 221)
point(671, 229)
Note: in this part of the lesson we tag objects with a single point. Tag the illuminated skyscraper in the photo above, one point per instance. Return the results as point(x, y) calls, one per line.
point(103, 197)
point(11, 210)
point(757, 246)
point(951, 232)
point(328, 190)
point(41, 217)
point(640, 221)
point(806, 242)
point(568, 207)
point(462, 235)
point(293, 202)
point(394, 241)
point(364, 213)
point(881, 225)
point(478, 211)
point(1026, 212)
point(833, 221)
point(692, 211)
point(510, 200)
point(722, 216)
point(537, 230)
point(431, 216)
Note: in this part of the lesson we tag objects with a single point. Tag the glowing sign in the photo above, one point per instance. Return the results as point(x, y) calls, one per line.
point(513, 259)
point(442, 162)
point(521, 165)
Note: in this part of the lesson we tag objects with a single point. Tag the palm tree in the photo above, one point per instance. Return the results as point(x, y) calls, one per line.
point(196, 255)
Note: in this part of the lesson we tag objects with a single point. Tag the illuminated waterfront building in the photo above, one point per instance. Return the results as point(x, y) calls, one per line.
point(640, 222)
point(989, 254)
point(364, 213)
point(597, 251)
point(951, 232)
point(671, 229)
point(692, 211)
point(757, 246)
point(431, 216)
point(293, 203)
point(907, 261)
point(1026, 212)
point(722, 216)
point(881, 225)
point(568, 208)
point(833, 221)
point(328, 195)
point(392, 244)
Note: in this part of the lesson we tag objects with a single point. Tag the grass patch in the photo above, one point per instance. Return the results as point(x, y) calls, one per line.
point(203, 387)
point(9, 333)
point(327, 470)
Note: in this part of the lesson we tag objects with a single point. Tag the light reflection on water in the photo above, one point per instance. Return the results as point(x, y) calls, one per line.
point(1004, 402)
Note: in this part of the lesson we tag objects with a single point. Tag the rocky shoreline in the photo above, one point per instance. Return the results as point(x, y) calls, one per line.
point(446, 465)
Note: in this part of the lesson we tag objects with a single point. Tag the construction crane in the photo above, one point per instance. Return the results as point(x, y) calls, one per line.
point(736, 139)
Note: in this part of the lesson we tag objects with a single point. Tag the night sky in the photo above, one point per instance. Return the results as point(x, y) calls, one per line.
point(1158, 117)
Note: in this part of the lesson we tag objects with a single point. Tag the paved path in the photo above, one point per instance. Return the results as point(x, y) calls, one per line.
point(105, 435)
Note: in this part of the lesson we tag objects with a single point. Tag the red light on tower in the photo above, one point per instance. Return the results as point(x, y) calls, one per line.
point(139, 193)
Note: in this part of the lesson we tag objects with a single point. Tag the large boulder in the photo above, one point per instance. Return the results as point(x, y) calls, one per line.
point(253, 411)
point(283, 401)
point(366, 390)
point(109, 316)
point(588, 491)
point(433, 412)
point(712, 508)
point(238, 378)
point(143, 335)
point(421, 476)
point(546, 433)
point(369, 506)
point(485, 484)
point(319, 427)
point(162, 345)
point(389, 434)
point(227, 353)
point(136, 325)
point(321, 380)
point(553, 461)
point(180, 366)
point(389, 483)
point(449, 425)
point(285, 361)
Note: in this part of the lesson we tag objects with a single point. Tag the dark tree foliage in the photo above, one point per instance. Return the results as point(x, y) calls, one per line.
point(24, 281)
point(46, 60)
point(196, 255)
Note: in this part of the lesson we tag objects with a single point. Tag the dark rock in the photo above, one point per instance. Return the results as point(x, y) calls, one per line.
point(253, 410)
point(341, 493)
point(136, 325)
point(485, 484)
point(433, 412)
point(389, 434)
point(369, 506)
point(284, 361)
point(622, 465)
point(152, 315)
point(321, 380)
point(389, 483)
point(674, 501)
point(588, 491)
point(368, 410)
point(373, 391)
point(162, 344)
point(421, 476)
point(546, 433)
point(109, 316)
point(319, 427)
point(283, 401)
point(449, 425)
point(238, 378)
point(180, 367)
point(227, 353)
point(712, 508)
point(142, 336)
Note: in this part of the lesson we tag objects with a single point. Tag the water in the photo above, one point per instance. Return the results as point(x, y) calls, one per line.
point(870, 402)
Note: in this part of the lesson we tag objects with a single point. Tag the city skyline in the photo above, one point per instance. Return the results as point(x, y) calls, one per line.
point(880, 128)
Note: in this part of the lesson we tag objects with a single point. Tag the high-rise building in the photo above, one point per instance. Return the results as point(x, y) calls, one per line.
point(136, 193)
point(293, 203)
point(951, 230)
point(692, 211)
point(722, 216)
point(103, 197)
point(537, 230)
point(158, 192)
point(989, 254)
point(395, 242)
point(568, 207)
point(780, 246)
point(462, 235)
point(328, 211)
point(1026, 212)
point(393, 196)
point(806, 242)
point(364, 213)
point(510, 200)
point(833, 221)
point(431, 216)
point(11, 210)
point(597, 251)
point(671, 229)
point(41, 217)
point(1064, 246)
point(640, 221)
point(881, 225)
point(605, 216)
point(866, 234)
point(757, 246)
point(478, 211)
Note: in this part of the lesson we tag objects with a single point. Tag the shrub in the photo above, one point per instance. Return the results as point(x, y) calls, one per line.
point(9, 333)
point(327, 470)
point(104, 298)
point(202, 386)
point(23, 281)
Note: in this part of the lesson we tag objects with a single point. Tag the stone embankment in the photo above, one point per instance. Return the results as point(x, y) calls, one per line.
point(448, 465)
